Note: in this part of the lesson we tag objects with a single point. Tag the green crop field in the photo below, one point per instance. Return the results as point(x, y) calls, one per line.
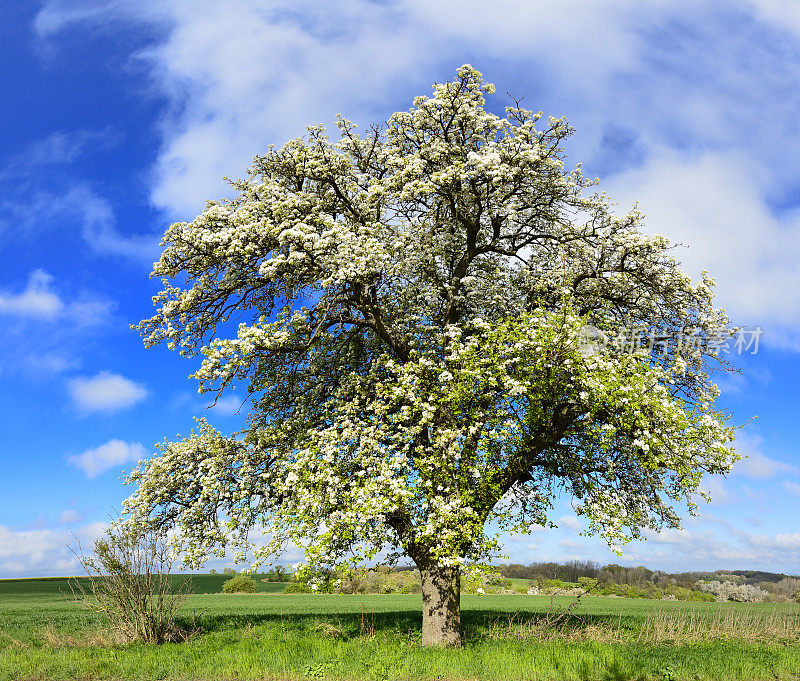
point(268, 635)
point(59, 585)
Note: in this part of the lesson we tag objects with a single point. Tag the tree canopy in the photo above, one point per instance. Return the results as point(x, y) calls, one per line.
point(412, 307)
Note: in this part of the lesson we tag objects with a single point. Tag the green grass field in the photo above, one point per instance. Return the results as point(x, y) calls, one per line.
point(267, 635)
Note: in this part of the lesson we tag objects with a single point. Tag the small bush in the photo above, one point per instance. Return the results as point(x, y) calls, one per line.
point(129, 583)
point(241, 584)
point(296, 588)
point(700, 596)
point(380, 581)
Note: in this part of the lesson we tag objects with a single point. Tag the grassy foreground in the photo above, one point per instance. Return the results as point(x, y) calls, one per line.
point(281, 636)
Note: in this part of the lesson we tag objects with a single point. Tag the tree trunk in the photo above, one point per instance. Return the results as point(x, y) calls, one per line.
point(441, 606)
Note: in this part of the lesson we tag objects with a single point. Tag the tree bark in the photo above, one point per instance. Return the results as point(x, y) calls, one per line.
point(441, 606)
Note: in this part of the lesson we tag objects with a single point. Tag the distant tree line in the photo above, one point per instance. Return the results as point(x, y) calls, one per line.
point(570, 571)
point(640, 576)
point(280, 573)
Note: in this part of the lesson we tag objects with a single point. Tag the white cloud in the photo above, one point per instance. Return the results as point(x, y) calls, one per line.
point(230, 405)
point(105, 392)
point(222, 110)
point(713, 204)
point(82, 206)
point(112, 454)
point(48, 363)
point(754, 463)
point(696, 549)
point(759, 466)
point(792, 488)
point(569, 521)
point(720, 494)
point(39, 300)
point(227, 405)
point(69, 516)
point(36, 300)
point(43, 328)
point(598, 35)
point(43, 552)
point(66, 202)
point(726, 546)
point(754, 374)
point(97, 222)
point(783, 13)
point(669, 536)
point(785, 544)
point(58, 148)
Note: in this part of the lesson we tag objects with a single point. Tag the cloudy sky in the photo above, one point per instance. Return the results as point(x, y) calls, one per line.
point(121, 116)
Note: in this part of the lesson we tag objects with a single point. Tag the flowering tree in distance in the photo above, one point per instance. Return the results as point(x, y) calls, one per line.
point(410, 307)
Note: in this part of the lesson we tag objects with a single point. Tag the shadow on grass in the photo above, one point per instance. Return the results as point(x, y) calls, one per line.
point(348, 623)
point(613, 672)
point(477, 625)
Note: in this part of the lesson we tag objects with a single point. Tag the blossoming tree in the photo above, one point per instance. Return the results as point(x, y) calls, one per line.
point(411, 306)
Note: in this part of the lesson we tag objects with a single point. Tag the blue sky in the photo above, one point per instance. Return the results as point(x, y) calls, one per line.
point(120, 116)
